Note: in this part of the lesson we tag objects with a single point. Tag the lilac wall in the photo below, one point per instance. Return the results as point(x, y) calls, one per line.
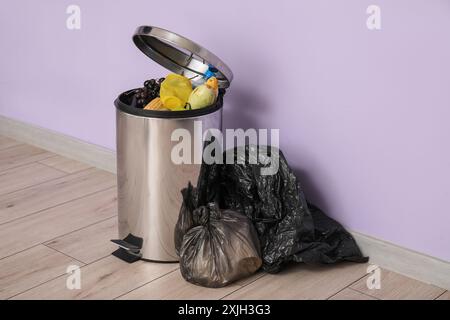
point(363, 114)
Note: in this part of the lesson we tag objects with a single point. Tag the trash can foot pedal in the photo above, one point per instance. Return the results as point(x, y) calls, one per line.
point(129, 248)
point(124, 255)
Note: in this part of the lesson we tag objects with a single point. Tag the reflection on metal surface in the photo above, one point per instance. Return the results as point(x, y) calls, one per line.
point(149, 183)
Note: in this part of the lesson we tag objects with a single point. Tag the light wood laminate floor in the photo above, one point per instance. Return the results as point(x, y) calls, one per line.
point(56, 212)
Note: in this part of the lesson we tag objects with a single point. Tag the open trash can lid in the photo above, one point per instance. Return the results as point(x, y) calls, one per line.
point(180, 55)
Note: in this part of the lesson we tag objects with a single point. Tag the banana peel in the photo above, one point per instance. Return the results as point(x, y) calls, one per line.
point(156, 104)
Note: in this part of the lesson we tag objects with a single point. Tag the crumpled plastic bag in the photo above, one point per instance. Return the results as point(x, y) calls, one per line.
point(175, 91)
point(289, 229)
point(216, 247)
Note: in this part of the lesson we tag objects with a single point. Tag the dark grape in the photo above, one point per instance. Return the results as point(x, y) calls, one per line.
point(150, 83)
point(147, 93)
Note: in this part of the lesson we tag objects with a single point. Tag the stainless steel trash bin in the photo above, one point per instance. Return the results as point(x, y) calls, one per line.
point(149, 182)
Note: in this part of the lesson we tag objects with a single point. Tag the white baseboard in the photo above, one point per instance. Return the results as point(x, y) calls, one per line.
point(59, 143)
point(410, 263)
point(387, 255)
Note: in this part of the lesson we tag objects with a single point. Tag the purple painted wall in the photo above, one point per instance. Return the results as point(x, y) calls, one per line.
point(363, 114)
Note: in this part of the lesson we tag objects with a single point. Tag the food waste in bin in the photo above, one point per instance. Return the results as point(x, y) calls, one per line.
point(175, 92)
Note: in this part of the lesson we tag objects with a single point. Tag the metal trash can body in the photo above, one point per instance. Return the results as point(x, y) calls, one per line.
point(149, 182)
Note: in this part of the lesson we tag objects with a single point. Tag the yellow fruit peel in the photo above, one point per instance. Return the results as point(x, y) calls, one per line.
point(175, 91)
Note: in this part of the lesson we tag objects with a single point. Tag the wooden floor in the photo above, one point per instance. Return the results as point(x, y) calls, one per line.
point(56, 212)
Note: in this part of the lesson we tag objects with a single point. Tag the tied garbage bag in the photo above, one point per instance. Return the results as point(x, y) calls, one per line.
point(216, 247)
point(289, 229)
point(185, 220)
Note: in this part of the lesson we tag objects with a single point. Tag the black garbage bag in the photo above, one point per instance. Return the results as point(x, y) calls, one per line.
point(185, 220)
point(216, 247)
point(289, 229)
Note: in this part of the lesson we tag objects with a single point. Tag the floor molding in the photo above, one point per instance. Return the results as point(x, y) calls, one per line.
point(95, 155)
point(390, 256)
point(410, 263)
